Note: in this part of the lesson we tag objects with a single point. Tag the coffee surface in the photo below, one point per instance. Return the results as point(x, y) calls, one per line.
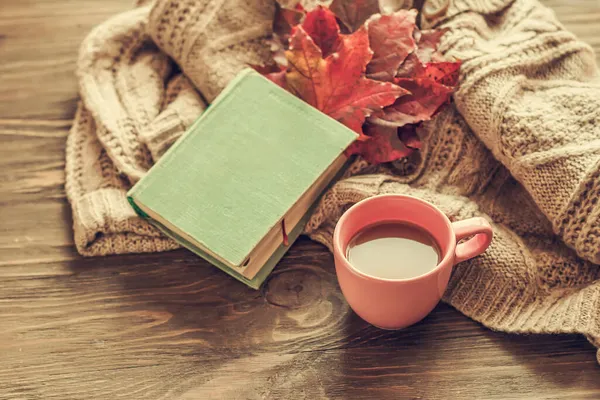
point(393, 250)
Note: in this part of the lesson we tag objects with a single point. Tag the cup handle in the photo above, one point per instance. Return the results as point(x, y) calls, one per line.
point(473, 247)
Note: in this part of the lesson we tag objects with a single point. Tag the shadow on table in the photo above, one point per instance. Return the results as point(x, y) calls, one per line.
point(297, 333)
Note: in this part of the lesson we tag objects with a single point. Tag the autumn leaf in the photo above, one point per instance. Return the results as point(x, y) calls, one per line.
point(425, 98)
point(336, 84)
point(430, 83)
point(277, 78)
point(321, 26)
point(382, 144)
point(266, 69)
point(306, 68)
point(274, 73)
point(427, 45)
point(411, 67)
point(283, 22)
point(285, 19)
point(391, 39)
point(408, 136)
point(425, 52)
point(387, 73)
point(354, 13)
point(445, 72)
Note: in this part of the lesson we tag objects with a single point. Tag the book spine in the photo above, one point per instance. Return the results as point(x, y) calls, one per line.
point(137, 210)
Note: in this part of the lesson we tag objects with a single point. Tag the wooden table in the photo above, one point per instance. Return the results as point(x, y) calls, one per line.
point(169, 325)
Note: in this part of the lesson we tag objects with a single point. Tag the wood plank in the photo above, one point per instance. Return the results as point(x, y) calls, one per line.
point(39, 41)
point(388, 373)
point(36, 221)
point(33, 160)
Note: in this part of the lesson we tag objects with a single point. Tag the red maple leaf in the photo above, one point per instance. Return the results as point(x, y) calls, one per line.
point(445, 72)
point(322, 27)
point(283, 22)
point(429, 82)
point(408, 79)
point(411, 67)
point(408, 136)
point(354, 13)
point(382, 144)
point(336, 84)
point(428, 42)
point(425, 98)
point(286, 18)
point(425, 52)
point(272, 72)
point(391, 39)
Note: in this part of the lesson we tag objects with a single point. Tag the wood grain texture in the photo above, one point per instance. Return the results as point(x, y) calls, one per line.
point(169, 326)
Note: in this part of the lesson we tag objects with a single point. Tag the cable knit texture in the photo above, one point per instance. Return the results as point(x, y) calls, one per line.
point(520, 146)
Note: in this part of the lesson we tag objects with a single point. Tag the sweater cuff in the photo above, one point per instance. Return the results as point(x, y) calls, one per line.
point(104, 223)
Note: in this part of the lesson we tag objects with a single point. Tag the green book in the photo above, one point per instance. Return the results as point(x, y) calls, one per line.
point(244, 177)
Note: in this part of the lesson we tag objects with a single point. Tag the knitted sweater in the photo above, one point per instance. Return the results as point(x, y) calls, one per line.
point(519, 146)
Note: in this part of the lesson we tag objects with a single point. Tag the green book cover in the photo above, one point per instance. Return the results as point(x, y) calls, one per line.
point(256, 157)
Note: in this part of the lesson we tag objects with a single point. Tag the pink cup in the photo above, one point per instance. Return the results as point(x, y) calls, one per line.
point(398, 303)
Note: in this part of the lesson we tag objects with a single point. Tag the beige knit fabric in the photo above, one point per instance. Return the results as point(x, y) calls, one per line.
point(206, 33)
point(520, 146)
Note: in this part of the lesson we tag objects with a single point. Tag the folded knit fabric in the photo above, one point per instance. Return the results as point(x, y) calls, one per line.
point(521, 145)
point(531, 93)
